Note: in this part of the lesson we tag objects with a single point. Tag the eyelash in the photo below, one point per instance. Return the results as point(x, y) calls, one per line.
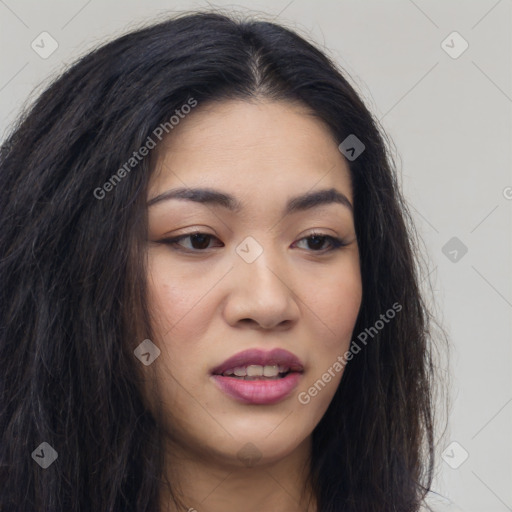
point(336, 243)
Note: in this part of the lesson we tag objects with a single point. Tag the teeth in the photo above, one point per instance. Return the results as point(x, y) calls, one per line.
point(256, 370)
point(271, 371)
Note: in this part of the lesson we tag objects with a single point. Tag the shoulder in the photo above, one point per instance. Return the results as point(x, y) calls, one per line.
point(435, 502)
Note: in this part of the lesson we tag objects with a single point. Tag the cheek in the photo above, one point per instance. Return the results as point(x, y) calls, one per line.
point(178, 307)
point(336, 308)
point(177, 318)
point(334, 299)
point(174, 296)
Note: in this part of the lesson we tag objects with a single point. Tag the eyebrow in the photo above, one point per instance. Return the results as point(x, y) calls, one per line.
point(211, 196)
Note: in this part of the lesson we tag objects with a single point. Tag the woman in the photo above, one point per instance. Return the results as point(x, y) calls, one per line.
point(210, 293)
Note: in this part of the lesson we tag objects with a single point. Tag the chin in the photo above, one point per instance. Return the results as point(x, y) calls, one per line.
point(256, 447)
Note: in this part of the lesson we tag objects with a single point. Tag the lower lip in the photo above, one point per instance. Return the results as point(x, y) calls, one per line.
point(258, 392)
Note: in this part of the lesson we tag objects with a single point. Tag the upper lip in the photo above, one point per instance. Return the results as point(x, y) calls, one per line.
point(277, 356)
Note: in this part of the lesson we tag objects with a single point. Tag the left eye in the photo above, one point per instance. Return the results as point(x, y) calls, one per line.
point(200, 241)
point(317, 240)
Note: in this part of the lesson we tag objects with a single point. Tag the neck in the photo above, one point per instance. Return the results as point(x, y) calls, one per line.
point(209, 485)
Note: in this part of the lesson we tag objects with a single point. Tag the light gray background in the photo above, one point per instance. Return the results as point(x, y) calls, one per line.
point(450, 120)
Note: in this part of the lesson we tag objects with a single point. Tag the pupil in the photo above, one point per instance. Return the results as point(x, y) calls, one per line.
point(202, 239)
point(317, 239)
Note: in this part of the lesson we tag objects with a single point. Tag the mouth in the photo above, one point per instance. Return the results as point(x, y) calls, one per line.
point(259, 377)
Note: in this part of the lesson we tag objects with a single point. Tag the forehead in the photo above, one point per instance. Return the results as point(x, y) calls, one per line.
point(250, 147)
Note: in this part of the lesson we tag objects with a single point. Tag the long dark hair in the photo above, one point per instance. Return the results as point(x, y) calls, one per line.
point(73, 278)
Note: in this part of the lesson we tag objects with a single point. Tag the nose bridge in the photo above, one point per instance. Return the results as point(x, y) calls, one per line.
point(261, 263)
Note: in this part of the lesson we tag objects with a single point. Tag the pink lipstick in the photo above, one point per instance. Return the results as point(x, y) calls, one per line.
point(259, 377)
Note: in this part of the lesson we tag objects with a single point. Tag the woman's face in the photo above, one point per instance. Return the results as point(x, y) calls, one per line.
point(254, 280)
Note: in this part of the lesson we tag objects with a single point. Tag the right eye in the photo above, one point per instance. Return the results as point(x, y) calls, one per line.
point(198, 240)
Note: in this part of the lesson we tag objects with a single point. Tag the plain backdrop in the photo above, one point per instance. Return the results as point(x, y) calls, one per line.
point(447, 109)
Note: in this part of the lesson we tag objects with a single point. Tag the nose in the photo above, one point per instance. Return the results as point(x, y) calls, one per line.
point(261, 294)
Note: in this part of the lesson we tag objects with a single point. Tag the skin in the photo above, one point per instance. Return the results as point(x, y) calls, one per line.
point(210, 305)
